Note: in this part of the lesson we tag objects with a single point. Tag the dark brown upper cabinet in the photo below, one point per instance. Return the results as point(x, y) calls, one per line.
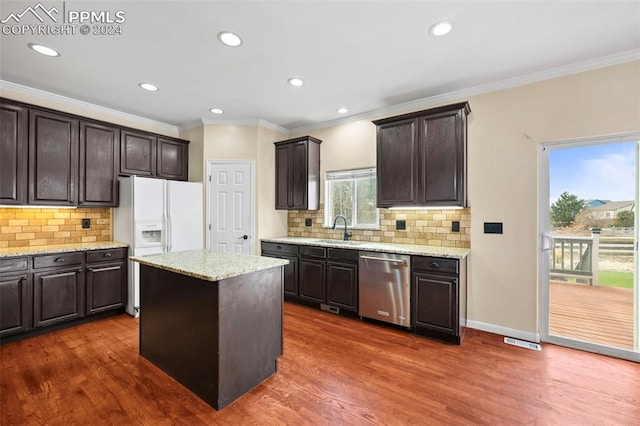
point(13, 153)
point(99, 164)
point(298, 174)
point(421, 158)
point(137, 153)
point(172, 159)
point(145, 154)
point(53, 158)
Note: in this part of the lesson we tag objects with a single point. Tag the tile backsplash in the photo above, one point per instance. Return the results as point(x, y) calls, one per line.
point(23, 227)
point(424, 227)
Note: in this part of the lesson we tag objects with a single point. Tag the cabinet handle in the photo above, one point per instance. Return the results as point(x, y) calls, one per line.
point(435, 264)
point(279, 247)
point(59, 260)
point(107, 255)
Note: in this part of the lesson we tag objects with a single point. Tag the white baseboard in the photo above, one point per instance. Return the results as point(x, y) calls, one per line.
point(504, 331)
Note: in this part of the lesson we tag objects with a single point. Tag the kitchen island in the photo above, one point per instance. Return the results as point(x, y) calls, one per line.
point(212, 320)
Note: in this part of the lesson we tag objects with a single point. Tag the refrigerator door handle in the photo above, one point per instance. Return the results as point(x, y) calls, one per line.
point(168, 234)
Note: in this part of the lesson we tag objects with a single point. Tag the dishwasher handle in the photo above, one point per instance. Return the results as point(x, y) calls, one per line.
point(384, 259)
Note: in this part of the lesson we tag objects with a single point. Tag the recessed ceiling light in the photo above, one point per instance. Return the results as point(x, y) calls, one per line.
point(342, 110)
point(43, 50)
point(296, 81)
point(216, 110)
point(148, 86)
point(440, 28)
point(229, 39)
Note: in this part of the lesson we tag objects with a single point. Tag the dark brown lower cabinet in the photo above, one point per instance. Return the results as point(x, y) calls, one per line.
point(435, 299)
point(58, 295)
point(106, 280)
point(15, 303)
point(106, 287)
point(291, 275)
point(312, 279)
point(44, 290)
point(290, 253)
point(342, 279)
point(319, 275)
point(439, 297)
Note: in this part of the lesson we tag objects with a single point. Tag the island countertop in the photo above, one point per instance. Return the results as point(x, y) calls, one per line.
point(209, 265)
point(411, 249)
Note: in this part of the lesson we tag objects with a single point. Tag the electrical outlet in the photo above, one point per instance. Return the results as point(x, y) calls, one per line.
point(86, 223)
point(455, 226)
point(401, 225)
point(493, 227)
point(307, 222)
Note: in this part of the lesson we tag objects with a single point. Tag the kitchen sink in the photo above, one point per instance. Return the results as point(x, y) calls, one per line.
point(343, 242)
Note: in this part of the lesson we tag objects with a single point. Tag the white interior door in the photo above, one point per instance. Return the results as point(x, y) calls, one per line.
point(230, 210)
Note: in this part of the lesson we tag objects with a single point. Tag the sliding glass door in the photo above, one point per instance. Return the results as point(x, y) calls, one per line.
point(589, 294)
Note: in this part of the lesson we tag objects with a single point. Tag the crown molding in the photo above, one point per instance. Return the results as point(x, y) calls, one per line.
point(41, 94)
point(235, 122)
point(191, 125)
point(272, 126)
point(575, 68)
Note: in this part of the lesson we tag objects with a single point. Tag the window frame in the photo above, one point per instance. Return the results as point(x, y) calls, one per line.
point(344, 175)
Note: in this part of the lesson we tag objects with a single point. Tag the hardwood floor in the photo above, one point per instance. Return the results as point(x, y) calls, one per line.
point(595, 314)
point(334, 371)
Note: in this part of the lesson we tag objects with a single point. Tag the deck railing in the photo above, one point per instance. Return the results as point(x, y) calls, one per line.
point(575, 257)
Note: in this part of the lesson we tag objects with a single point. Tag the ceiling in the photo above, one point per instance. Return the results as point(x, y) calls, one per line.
point(366, 56)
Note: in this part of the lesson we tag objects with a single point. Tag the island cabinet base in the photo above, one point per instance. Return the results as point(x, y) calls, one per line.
point(219, 339)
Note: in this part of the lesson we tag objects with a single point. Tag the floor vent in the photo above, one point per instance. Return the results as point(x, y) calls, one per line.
point(522, 343)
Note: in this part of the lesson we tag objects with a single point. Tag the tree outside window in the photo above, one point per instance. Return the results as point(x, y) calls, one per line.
point(352, 194)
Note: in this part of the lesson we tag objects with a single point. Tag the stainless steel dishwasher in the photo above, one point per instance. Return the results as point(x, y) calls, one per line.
point(384, 287)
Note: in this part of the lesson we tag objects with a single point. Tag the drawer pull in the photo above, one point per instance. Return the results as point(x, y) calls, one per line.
point(279, 247)
point(107, 255)
point(59, 260)
point(435, 264)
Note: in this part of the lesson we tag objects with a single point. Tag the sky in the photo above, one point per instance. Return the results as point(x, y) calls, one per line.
point(604, 172)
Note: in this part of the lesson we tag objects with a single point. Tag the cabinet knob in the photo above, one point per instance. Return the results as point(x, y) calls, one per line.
point(279, 247)
point(58, 260)
point(435, 264)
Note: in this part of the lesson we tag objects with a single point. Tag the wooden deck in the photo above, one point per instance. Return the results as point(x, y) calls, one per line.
point(602, 315)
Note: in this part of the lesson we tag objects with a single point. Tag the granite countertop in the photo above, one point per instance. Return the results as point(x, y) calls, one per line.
point(418, 250)
point(59, 248)
point(209, 265)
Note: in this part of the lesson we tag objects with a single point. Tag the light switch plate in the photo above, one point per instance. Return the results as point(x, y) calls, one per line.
point(493, 227)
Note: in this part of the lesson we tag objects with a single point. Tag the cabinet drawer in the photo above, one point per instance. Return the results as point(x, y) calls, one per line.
point(308, 251)
point(60, 259)
point(435, 264)
point(13, 264)
point(342, 254)
point(106, 255)
point(280, 248)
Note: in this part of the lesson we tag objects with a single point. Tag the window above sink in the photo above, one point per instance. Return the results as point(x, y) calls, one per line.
point(352, 194)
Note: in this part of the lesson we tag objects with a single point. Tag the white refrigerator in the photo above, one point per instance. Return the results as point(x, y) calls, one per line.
point(156, 216)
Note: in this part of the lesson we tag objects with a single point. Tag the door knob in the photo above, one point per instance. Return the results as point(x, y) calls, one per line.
point(244, 237)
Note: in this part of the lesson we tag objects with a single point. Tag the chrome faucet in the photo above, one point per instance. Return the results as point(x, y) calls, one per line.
point(346, 234)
